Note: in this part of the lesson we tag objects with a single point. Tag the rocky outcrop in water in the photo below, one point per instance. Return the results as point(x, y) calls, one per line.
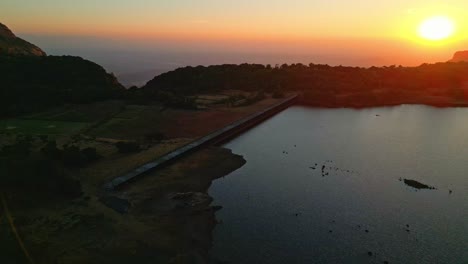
point(417, 185)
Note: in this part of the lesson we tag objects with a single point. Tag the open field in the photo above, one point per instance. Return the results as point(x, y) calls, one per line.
point(80, 113)
point(156, 226)
point(155, 229)
point(133, 122)
point(65, 121)
point(40, 127)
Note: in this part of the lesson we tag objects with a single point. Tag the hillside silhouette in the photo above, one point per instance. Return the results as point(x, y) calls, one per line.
point(12, 45)
point(440, 84)
point(460, 56)
point(31, 81)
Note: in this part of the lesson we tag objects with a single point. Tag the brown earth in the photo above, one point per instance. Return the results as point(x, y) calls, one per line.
point(169, 219)
point(164, 217)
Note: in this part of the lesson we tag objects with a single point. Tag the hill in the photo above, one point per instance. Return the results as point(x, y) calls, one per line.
point(460, 56)
point(31, 81)
point(440, 84)
point(12, 45)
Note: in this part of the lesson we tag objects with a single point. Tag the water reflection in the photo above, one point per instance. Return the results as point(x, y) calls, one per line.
point(327, 186)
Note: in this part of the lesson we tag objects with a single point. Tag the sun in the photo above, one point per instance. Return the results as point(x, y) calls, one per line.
point(437, 28)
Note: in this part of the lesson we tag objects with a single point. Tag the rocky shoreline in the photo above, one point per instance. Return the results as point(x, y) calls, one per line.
point(185, 204)
point(166, 217)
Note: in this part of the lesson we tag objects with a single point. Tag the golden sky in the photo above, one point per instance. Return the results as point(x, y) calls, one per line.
point(298, 26)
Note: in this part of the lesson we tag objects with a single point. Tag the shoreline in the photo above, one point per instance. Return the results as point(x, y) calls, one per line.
point(166, 215)
point(214, 138)
point(350, 105)
point(170, 218)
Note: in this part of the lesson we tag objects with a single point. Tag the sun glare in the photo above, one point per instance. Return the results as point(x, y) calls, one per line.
point(437, 28)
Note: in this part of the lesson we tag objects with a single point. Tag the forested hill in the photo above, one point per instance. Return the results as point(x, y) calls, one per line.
point(440, 84)
point(29, 83)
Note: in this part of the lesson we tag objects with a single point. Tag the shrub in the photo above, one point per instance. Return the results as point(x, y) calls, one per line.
point(43, 138)
point(20, 149)
point(50, 150)
point(127, 147)
point(73, 157)
point(70, 155)
point(155, 136)
point(90, 154)
point(278, 94)
point(35, 173)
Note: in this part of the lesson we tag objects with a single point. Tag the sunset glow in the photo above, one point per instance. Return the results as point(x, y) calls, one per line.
point(437, 28)
point(246, 131)
point(371, 33)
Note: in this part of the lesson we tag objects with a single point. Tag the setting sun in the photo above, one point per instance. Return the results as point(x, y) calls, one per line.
point(437, 28)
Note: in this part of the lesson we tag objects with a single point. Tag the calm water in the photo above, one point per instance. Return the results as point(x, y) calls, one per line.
point(276, 209)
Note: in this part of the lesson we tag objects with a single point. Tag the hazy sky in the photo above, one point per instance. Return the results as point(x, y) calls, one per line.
point(361, 32)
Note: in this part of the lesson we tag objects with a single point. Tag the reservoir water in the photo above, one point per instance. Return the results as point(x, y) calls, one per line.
point(328, 186)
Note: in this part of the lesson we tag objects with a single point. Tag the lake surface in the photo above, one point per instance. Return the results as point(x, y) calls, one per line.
point(279, 209)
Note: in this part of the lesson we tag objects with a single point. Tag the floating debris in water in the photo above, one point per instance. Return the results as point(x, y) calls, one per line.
point(418, 185)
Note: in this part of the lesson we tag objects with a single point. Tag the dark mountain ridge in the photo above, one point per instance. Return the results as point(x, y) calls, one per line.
point(440, 84)
point(460, 56)
point(31, 81)
point(10, 44)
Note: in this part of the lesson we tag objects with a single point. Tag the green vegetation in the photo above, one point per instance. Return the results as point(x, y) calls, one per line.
point(128, 147)
point(133, 122)
point(36, 165)
point(71, 156)
point(40, 127)
point(80, 112)
point(278, 94)
point(167, 98)
point(24, 169)
point(258, 96)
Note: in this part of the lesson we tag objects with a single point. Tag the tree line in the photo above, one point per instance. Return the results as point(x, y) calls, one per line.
point(322, 85)
point(29, 83)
